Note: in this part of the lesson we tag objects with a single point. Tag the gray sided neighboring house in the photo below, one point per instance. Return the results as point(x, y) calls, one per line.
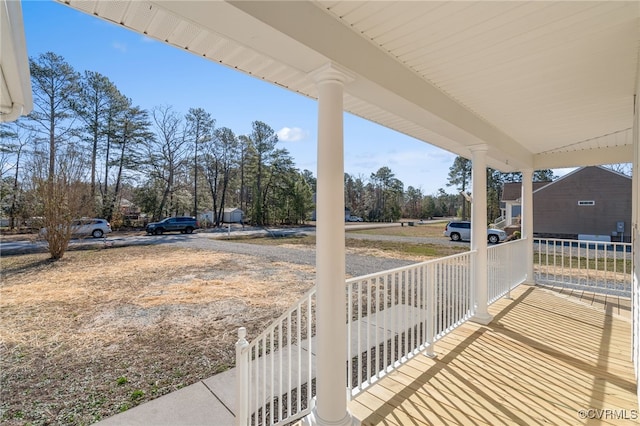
point(588, 203)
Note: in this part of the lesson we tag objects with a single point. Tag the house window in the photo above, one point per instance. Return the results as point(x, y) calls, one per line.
point(586, 203)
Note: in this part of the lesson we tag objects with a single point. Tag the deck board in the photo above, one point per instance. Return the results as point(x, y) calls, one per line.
point(546, 355)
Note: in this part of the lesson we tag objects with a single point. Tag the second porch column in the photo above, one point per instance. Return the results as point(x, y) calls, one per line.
point(479, 232)
point(331, 332)
point(526, 220)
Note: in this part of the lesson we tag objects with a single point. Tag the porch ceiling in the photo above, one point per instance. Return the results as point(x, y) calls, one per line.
point(15, 84)
point(544, 84)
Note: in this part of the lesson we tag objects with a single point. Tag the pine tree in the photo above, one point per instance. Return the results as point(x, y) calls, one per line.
point(460, 176)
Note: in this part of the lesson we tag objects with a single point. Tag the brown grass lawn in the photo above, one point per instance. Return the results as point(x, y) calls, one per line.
point(391, 249)
point(433, 229)
point(101, 331)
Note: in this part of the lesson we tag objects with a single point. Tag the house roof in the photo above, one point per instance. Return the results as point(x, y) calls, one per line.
point(512, 191)
point(577, 171)
point(15, 79)
point(542, 84)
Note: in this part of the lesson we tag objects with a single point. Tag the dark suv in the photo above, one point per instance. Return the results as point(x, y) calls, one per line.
point(184, 224)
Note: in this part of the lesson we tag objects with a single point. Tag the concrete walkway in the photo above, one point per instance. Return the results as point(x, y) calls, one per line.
point(208, 402)
point(213, 401)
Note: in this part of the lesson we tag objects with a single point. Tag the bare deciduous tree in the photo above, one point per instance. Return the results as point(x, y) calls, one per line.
point(55, 90)
point(167, 154)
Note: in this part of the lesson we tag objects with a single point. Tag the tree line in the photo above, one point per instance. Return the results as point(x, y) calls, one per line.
point(86, 146)
point(382, 197)
point(460, 177)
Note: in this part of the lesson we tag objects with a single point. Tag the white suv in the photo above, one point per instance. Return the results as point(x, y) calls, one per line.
point(97, 228)
point(461, 230)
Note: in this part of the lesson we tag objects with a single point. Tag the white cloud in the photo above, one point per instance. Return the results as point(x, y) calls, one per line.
point(119, 46)
point(294, 134)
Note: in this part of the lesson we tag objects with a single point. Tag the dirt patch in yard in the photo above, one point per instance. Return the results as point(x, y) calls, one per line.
point(101, 331)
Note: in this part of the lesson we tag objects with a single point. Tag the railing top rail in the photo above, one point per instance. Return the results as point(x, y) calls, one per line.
point(349, 281)
point(507, 243)
point(408, 267)
point(572, 241)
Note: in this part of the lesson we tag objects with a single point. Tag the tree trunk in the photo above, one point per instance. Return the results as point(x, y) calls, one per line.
point(12, 210)
point(94, 156)
point(116, 190)
point(165, 196)
point(105, 193)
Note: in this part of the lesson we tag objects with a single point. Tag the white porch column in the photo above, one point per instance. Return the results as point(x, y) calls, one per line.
point(526, 220)
point(635, 233)
point(479, 232)
point(331, 333)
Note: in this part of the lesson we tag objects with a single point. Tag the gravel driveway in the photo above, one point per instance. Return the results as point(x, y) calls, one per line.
point(356, 265)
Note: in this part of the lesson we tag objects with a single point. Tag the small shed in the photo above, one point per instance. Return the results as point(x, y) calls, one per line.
point(232, 215)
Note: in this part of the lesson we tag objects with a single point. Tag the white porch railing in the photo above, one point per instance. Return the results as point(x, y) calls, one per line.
point(396, 314)
point(276, 372)
point(500, 223)
point(601, 267)
point(391, 317)
point(507, 268)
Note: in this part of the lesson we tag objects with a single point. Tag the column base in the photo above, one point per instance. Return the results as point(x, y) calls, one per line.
point(483, 319)
point(314, 420)
point(430, 352)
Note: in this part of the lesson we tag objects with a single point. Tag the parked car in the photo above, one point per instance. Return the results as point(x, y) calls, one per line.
point(461, 230)
point(184, 224)
point(354, 219)
point(84, 227)
point(95, 227)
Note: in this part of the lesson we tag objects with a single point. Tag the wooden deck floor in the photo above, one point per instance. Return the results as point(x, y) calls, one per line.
point(545, 357)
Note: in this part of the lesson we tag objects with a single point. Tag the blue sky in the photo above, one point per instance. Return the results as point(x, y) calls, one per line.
point(152, 74)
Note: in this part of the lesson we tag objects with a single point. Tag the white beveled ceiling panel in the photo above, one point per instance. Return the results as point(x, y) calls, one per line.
point(200, 27)
point(552, 75)
point(540, 82)
point(15, 83)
